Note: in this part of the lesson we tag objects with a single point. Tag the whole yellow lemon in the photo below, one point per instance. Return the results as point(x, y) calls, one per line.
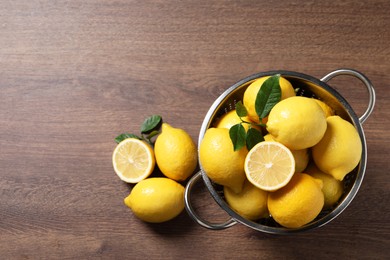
point(297, 122)
point(340, 150)
point(251, 202)
point(156, 200)
point(325, 107)
point(175, 152)
point(297, 203)
point(332, 188)
point(220, 162)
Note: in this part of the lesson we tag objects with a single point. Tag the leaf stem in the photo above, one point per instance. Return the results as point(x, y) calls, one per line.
point(246, 122)
point(252, 123)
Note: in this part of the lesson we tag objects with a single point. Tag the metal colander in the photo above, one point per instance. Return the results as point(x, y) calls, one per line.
point(305, 85)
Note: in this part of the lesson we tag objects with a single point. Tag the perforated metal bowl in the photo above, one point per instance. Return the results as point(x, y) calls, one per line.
point(307, 86)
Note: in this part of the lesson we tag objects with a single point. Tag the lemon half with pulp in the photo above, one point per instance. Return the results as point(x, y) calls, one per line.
point(269, 165)
point(133, 160)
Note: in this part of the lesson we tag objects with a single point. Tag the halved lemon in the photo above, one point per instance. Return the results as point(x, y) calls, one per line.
point(133, 160)
point(269, 165)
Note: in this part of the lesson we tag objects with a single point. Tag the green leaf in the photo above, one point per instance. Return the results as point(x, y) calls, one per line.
point(241, 109)
point(151, 123)
point(124, 136)
point(237, 135)
point(268, 95)
point(253, 137)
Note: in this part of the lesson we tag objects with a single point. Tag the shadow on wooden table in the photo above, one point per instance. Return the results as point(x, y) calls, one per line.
point(178, 226)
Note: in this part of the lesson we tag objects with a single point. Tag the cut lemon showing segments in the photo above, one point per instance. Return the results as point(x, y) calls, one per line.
point(133, 160)
point(269, 165)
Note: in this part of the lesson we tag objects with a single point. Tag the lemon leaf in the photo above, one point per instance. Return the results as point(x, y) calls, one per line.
point(124, 136)
point(241, 109)
point(268, 95)
point(238, 136)
point(253, 137)
point(151, 123)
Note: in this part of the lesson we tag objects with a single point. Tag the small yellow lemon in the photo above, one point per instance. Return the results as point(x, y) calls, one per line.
point(297, 122)
point(332, 188)
point(325, 107)
point(301, 157)
point(269, 138)
point(250, 95)
point(175, 152)
point(297, 203)
point(230, 119)
point(220, 162)
point(340, 149)
point(156, 200)
point(251, 202)
point(133, 160)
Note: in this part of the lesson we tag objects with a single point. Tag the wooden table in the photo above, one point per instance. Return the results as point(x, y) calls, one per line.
point(74, 74)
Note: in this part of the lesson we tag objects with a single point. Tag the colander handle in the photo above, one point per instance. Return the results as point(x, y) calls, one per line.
point(192, 213)
point(364, 79)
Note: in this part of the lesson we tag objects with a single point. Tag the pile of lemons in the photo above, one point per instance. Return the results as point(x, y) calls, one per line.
point(296, 172)
point(156, 199)
point(291, 176)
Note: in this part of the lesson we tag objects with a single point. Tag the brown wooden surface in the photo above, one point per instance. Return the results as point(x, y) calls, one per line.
point(74, 74)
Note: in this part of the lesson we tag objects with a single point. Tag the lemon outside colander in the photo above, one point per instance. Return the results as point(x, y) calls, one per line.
point(306, 86)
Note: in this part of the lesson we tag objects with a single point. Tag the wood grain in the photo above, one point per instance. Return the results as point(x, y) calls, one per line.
point(74, 74)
